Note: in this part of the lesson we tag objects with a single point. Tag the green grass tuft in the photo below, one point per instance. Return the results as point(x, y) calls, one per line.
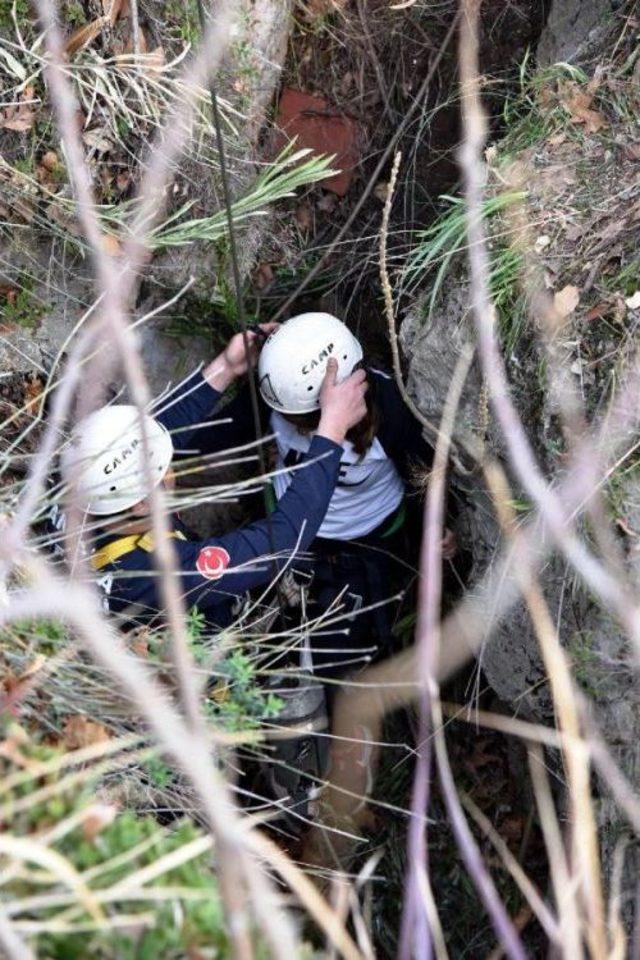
point(432, 258)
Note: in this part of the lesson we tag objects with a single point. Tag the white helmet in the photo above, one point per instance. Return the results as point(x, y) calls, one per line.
point(104, 459)
point(294, 359)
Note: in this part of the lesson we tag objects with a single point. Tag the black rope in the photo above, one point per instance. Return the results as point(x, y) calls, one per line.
point(242, 316)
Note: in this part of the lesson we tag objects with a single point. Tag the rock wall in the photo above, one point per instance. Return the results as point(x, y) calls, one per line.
point(572, 26)
point(433, 340)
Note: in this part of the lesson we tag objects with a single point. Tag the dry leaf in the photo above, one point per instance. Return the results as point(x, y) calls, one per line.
point(10, 293)
point(557, 139)
point(33, 394)
point(304, 217)
point(17, 119)
point(20, 117)
point(140, 641)
point(380, 190)
point(50, 160)
point(123, 180)
point(46, 169)
point(577, 102)
point(141, 648)
point(319, 9)
point(97, 140)
point(600, 310)
point(620, 310)
point(79, 732)
point(15, 687)
point(633, 302)
point(491, 155)
point(85, 35)
point(566, 300)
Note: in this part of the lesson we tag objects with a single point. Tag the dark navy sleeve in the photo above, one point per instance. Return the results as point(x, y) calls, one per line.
point(188, 405)
point(402, 435)
point(213, 570)
point(235, 425)
point(399, 432)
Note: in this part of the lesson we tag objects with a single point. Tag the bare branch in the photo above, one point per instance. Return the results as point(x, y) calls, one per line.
point(598, 577)
point(415, 937)
point(12, 942)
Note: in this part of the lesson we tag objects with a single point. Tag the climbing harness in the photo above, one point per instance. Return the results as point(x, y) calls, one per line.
point(112, 552)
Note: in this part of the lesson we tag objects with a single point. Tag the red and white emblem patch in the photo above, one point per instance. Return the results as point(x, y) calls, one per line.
point(212, 562)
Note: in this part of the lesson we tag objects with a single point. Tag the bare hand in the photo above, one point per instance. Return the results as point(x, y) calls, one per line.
point(233, 362)
point(343, 404)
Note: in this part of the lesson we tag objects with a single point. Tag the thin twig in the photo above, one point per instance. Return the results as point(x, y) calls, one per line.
point(135, 23)
point(576, 752)
point(547, 921)
point(389, 309)
point(563, 885)
point(502, 923)
point(12, 942)
point(415, 939)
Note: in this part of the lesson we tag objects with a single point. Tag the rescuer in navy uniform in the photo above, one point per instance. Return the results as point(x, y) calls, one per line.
point(105, 466)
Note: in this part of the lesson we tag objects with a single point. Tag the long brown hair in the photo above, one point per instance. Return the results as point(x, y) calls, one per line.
point(361, 436)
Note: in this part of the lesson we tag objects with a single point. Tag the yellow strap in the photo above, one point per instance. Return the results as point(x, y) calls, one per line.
point(118, 548)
